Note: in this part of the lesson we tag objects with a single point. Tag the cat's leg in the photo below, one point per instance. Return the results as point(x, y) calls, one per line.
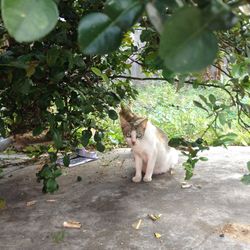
point(150, 168)
point(138, 168)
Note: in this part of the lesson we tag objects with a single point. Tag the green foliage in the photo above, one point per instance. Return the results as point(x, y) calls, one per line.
point(179, 40)
point(246, 178)
point(67, 82)
point(190, 150)
point(29, 20)
point(100, 33)
point(178, 116)
point(58, 237)
point(48, 175)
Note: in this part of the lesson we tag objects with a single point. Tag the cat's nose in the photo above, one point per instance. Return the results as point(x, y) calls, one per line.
point(133, 142)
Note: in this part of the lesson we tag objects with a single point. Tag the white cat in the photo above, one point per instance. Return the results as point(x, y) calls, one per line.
point(149, 145)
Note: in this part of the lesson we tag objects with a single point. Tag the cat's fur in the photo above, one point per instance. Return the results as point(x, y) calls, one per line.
point(149, 145)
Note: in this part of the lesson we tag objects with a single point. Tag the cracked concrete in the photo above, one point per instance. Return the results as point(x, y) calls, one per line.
point(107, 203)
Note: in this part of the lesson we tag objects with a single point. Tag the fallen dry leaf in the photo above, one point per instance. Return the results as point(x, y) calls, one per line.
point(51, 200)
point(72, 224)
point(137, 224)
point(154, 217)
point(157, 235)
point(31, 203)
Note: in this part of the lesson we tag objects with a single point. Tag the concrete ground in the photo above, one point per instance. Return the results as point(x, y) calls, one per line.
point(212, 214)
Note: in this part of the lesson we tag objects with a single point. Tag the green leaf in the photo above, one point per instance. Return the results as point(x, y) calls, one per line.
point(246, 179)
point(51, 186)
point(212, 98)
point(45, 172)
point(100, 147)
point(189, 170)
point(98, 136)
point(189, 47)
point(96, 71)
point(52, 56)
point(2, 128)
point(220, 15)
point(29, 20)
point(222, 119)
point(57, 138)
point(66, 160)
point(24, 86)
point(59, 102)
point(248, 166)
point(57, 173)
point(52, 156)
point(203, 158)
point(97, 34)
point(124, 13)
point(112, 114)
point(154, 16)
point(58, 236)
point(204, 99)
point(37, 131)
point(199, 105)
point(100, 33)
point(86, 135)
point(167, 73)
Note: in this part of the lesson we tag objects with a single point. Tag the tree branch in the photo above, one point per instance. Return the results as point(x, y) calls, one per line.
point(223, 71)
point(134, 61)
point(138, 78)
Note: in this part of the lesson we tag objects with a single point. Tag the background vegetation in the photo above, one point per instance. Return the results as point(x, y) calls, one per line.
point(183, 119)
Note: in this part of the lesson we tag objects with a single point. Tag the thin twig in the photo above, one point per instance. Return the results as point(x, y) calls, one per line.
point(223, 71)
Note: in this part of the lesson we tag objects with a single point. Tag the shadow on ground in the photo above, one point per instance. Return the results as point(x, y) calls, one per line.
point(212, 214)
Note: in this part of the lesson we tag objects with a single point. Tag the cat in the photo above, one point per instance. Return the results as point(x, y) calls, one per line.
point(149, 145)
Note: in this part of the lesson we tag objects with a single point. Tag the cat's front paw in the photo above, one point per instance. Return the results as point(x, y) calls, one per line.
point(136, 179)
point(147, 179)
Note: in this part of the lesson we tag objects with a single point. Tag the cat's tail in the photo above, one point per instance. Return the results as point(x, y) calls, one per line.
point(174, 157)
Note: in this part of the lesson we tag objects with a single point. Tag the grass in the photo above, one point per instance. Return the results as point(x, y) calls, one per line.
point(175, 113)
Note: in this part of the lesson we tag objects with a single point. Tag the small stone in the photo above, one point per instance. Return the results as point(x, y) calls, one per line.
point(186, 185)
point(222, 235)
point(79, 178)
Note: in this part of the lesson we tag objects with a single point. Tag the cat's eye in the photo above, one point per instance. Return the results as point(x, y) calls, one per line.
point(128, 134)
point(139, 135)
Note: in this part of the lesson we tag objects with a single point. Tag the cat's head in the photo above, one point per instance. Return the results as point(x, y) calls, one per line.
point(133, 126)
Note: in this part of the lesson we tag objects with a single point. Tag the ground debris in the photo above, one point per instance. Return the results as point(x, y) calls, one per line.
point(31, 203)
point(154, 217)
point(72, 224)
point(185, 185)
point(51, 200)
point(157, 235)
point(236, 231)
point(137, 224)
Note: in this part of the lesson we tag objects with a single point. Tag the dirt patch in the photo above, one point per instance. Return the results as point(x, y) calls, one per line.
point(237, 231)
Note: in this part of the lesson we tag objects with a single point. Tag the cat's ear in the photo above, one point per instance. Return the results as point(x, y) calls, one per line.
point(142, 122)
point(125, 125)
point(126, 113)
